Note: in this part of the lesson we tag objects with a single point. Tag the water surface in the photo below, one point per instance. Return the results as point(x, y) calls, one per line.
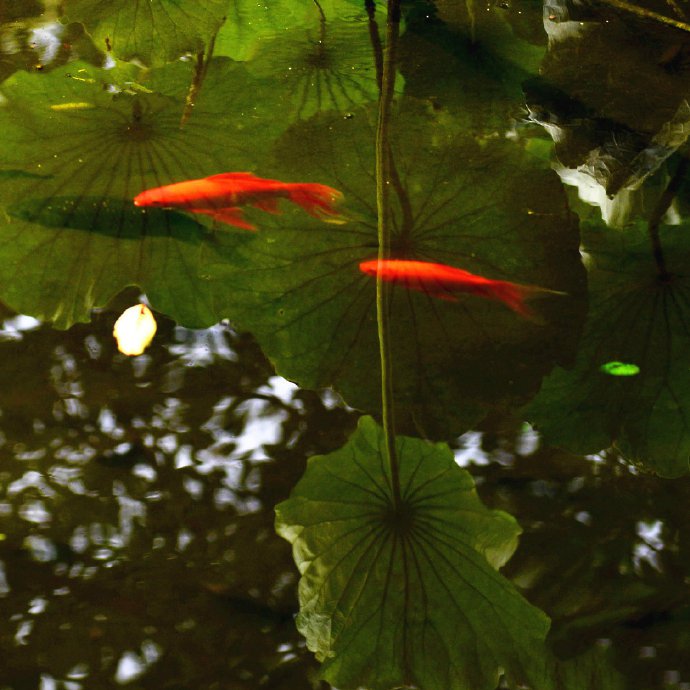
point(513, 515)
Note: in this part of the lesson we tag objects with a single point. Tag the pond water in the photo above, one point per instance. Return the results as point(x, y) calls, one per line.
point(321, 474)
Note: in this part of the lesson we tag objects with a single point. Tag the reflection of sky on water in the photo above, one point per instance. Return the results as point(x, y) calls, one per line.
point(152, 469)
point(4, 586)
point(470, 452)
point(131, 665)
point(202, 347)
point(12, 328)
point(46, 40)
point(228, 452)
point(650, 543)
point(603, 547)
point(505, 467)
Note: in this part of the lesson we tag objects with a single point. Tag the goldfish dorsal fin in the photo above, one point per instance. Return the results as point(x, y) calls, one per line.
point(233, 176)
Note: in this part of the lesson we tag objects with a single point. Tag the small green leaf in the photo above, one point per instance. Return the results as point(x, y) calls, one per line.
point(620, 369)
point(409, 595)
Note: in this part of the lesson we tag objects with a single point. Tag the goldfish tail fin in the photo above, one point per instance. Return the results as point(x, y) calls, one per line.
point(515, 296)
point(317, 200)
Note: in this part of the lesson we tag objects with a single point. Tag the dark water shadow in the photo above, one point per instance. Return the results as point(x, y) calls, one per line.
point(110, 217)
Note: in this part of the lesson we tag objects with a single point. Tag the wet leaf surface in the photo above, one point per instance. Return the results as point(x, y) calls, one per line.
point(406, 597)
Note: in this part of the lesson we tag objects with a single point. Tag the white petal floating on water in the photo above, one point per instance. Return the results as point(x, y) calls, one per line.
point(134, 330)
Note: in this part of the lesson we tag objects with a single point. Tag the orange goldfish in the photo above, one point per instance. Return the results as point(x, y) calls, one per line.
point(442, 281)
point(220, 195)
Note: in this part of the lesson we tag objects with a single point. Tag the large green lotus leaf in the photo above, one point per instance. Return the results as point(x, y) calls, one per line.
point(249, 23)
point(323, 66)
point(154, 31)
point(489, 209)
point(635, 318)
point(409, 596)
point(74, 156)
point(75, 253)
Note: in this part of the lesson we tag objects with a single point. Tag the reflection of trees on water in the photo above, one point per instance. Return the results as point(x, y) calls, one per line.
point(137, 510)
point(605, 548)
point(614, 122)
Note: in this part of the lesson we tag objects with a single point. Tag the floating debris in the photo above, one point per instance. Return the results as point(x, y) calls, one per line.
point(72, 106)
point(134, 330)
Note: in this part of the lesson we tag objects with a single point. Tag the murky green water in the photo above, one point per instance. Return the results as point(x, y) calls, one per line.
point(502, 503)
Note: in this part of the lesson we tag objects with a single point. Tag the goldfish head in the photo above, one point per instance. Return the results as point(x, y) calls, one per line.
point(150, 197)
point(369, 267)
point(406, 270)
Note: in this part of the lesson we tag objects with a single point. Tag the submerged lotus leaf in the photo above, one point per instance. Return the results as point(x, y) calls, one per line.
point(500, 30)
point(153, 32)
point(71, 237)
point(471, 65)
point(297, 285)
point(392, 597)
point(637, 317)
point(250, 25)
point(327, 65)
